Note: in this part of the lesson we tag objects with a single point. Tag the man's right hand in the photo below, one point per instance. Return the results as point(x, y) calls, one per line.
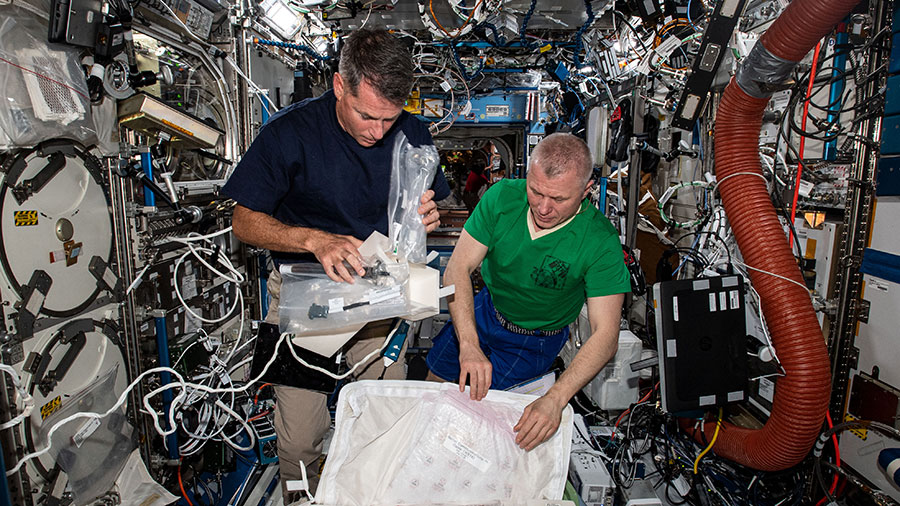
point(332, 250)
point(474, 365)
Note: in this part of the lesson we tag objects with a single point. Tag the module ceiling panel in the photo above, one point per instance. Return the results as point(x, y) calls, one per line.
point(404, 15)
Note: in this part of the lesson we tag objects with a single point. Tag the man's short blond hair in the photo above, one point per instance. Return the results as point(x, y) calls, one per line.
point(560, 153)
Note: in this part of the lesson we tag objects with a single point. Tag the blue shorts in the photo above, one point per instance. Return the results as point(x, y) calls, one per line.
point(515, 358)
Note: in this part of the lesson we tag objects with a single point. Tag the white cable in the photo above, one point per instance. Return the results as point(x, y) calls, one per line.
point(214, 417)
point(239, 298)
point(267, 103)
point(729, 176)
point(764, 325)
point(773, 274)
point(236, 275)
point(84, 414)
point(355, 366)
point(27, 399)
point(239, 364)
point(259, 92)
point(137, 279)
point(239, 491)
point(182, 385)
point(193, 236)
point(243, 423)
point(236, 349)
point(371, 4)
point(779, 374)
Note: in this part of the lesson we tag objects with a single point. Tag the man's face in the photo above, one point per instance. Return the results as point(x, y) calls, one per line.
point(554, 200)
point(366, 116)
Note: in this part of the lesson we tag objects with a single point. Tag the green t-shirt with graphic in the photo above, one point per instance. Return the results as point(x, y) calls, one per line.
point(543, 283)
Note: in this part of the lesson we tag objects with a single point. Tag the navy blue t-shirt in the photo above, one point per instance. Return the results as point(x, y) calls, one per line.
point(305, 170)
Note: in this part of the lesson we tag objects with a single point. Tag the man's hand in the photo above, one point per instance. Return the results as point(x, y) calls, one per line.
point(477, 367)
point(539, 422)
point(333, 250)
point(430, 216)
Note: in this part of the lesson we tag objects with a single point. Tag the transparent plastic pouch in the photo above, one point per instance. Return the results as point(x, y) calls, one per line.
point(80, 446)
point(312, 302)
point(45, 88)
point(412, 172)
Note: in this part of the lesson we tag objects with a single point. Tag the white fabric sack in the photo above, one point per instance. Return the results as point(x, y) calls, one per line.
point(416, 442)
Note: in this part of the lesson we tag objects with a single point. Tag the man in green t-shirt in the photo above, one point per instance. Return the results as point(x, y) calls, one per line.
point(543, 250)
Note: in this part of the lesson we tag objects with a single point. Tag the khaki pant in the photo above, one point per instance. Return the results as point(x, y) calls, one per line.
point(301, 416)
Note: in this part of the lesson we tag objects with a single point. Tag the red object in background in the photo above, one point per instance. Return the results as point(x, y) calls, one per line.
point(475, 181)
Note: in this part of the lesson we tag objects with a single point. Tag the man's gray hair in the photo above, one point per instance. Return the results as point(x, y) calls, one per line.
point(382, 60)
point(560, 153)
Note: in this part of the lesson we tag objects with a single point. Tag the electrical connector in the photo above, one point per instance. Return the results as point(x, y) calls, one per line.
point(392, 351)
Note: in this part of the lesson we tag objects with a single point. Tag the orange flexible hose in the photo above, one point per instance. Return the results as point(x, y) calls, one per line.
point(802, 396)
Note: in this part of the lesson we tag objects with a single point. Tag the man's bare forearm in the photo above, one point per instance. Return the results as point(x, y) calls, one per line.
point(462, 304)
point(587, 363)
point(467, 256)
point(264, 231)
point(600, 347)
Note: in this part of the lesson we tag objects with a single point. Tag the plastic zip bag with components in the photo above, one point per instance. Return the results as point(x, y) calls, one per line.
point(45, 88)
point(311, 301)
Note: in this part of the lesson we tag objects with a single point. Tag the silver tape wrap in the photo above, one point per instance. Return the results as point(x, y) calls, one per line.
point(762, 73)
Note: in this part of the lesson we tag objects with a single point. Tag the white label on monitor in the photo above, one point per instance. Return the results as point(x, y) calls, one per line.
point(701, 284)
point(469, 455)
point(706, 400)
point(767, 389)
point(735, 299)
point(729, 281)
point(675, 308)
point(712, 303)
point(736, 396)
point(723, 300)
point(671, 348)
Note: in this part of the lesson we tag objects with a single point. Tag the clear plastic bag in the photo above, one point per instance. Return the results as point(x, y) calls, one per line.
point(45, 88)
point(311, 301)
point(412, 172)
point(82, 444)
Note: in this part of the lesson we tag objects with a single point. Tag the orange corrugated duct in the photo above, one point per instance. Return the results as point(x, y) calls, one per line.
point(802, 396)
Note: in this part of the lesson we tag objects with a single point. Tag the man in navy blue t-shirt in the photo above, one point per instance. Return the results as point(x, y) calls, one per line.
point(313, 185)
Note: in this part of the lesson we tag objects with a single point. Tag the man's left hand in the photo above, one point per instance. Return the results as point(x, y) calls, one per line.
point(538, 423)
point(430, 216)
